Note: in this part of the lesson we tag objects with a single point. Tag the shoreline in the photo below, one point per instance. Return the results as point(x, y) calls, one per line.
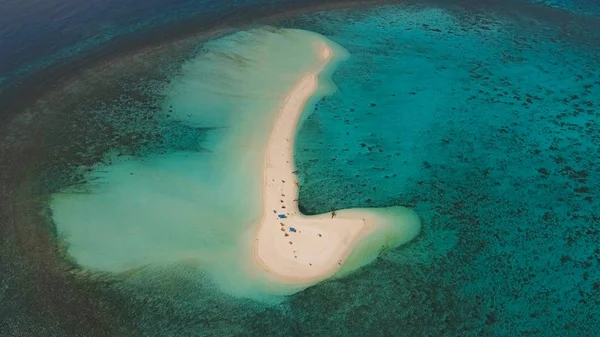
point(297, 248)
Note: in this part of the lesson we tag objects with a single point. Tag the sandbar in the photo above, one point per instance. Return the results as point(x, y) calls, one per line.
point(298, 248)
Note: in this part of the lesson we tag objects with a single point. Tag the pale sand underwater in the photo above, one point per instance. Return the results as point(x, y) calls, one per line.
point(205, 208)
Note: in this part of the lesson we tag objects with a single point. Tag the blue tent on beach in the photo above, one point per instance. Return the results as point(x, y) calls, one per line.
point(281, 216)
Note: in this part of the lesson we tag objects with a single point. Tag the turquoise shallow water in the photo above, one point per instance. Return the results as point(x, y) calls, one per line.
point(490, 129)
point(485, 123)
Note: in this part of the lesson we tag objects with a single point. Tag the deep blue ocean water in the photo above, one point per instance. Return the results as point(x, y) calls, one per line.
point(34, 34)
point(486, 122)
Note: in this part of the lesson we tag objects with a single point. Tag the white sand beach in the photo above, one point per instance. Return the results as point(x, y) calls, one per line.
point(300, 248)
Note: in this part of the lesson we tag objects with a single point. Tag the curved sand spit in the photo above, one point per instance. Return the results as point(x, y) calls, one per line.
point(320, 244)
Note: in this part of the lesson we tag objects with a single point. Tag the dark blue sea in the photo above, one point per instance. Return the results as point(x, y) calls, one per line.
point(482, 116)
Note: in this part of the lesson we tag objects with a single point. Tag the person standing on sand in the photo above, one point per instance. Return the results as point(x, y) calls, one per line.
point(333, 214)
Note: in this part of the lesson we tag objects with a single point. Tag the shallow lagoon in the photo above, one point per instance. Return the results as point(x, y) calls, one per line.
point(488, 127)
